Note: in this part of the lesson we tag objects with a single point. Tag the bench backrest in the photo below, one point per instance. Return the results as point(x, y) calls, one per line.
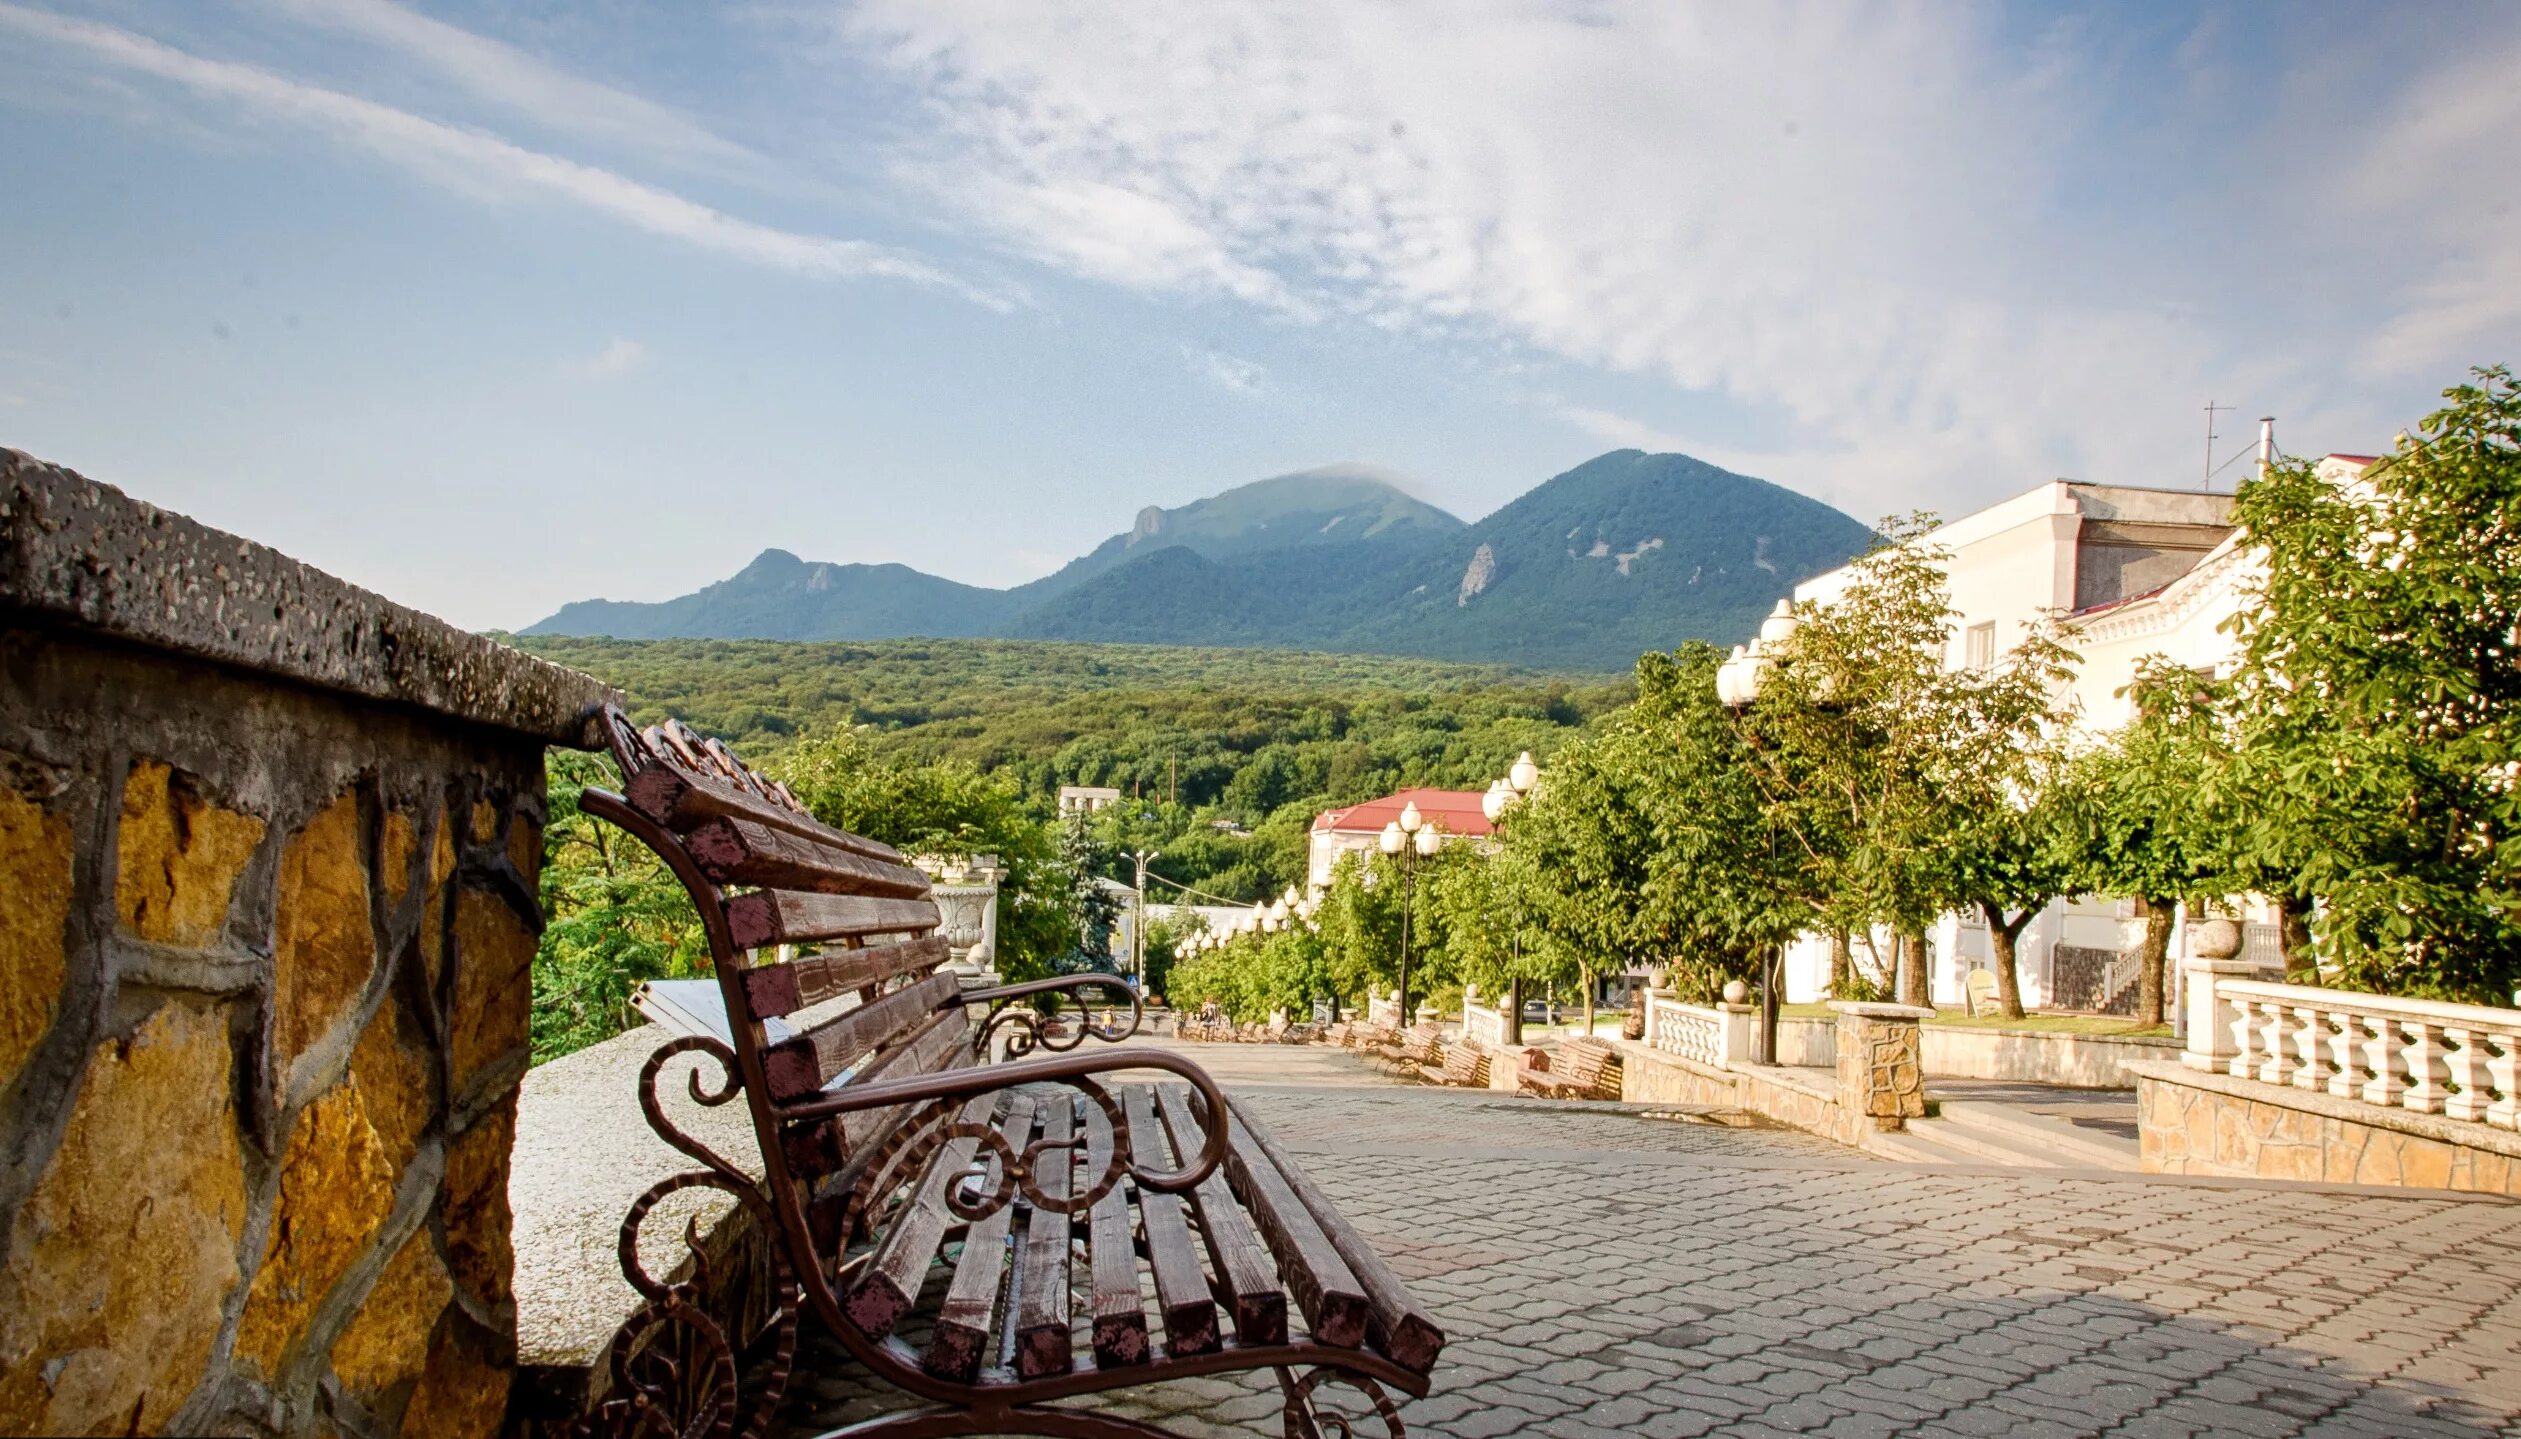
point(798, 913)
point(1590, 1062)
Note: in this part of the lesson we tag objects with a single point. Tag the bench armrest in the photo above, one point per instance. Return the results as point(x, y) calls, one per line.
point(999, 1001)
point(1076, 1070)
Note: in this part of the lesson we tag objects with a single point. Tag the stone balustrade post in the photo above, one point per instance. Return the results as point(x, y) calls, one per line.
point(2215, 1038)
point(1737, 1029)
point(1881, 1067)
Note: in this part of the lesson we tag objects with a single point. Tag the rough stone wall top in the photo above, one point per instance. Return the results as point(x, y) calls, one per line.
point(85, 552)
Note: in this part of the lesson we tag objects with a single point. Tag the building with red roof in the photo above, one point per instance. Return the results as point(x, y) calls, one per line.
point(1456, 813)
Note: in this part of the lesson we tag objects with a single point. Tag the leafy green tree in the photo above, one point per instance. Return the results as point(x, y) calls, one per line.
point(1082, 860)
point(2139, 802)
point(1360, 924)
point(615, 918)
point(2378, 698)
point(1888, 771)
point(949, 807)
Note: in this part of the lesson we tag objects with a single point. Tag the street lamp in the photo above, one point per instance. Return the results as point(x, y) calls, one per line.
point(1520, 777)
point(1407, 839)
point(1738, 683)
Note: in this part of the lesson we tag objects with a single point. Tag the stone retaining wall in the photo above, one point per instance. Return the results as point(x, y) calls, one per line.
point(272, 848)
point(2190, 1122)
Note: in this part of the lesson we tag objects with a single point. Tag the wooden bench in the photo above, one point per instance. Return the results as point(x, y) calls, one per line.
point(1583, 1068)
point(982, 1236)
point(1413, 1049)
point(1464, 1065)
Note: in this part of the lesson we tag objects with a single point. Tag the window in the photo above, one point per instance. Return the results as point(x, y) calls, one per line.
point(1978, 644)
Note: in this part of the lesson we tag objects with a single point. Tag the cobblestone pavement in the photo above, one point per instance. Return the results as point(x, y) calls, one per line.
point(1602, 1272)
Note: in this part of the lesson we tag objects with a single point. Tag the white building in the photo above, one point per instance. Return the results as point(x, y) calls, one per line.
point(1456, 813)
point(2134, 573)
point(1085, 798)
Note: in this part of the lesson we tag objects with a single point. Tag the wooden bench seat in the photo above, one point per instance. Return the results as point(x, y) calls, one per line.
point(1412, 1049)
point(1465, 1065)
point(986, 1236)
point(1583, 1068)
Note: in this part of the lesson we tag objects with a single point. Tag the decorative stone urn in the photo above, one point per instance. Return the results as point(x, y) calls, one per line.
point(2214, 938)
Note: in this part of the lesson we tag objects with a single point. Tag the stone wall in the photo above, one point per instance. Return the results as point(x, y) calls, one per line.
point(264, 984)
point(2190, 1122)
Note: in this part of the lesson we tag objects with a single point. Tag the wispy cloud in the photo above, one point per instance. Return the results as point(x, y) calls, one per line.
point(1617, 429)
point(482, 165)
point(618, 358)
point(1243, 377)
point(525, 85)
point(1903, 243)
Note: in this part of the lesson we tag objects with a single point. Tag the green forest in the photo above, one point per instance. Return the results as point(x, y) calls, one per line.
point(962, 745)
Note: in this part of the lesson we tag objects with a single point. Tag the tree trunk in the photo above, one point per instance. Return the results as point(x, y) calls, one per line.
point(1514, 1010)
point(2000, 943)
point(2301, 965)
point(1587, 971)
point(2149, 961)
point(1841, 963)
point(1915, 986)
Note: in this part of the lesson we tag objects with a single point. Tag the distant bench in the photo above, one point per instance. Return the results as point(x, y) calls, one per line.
point(891, 1145)
point(1583, 1068)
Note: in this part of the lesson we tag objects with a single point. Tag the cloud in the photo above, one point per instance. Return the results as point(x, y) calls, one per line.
point(1992, 249)
point(524, 85)
point(618, 358)
point(1619, 430)
point(485, 166)
point(1243, 377)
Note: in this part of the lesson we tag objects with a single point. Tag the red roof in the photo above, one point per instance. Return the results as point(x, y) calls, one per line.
point(2359, 459)
point(1457, 810)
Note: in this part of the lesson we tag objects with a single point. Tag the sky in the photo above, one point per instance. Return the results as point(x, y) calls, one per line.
point(490, 305)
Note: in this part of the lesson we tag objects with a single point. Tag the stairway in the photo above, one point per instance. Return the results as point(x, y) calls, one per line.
point(2034, 1131)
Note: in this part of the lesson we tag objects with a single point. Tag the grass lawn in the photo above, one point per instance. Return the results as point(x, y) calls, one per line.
point(2043, 1023)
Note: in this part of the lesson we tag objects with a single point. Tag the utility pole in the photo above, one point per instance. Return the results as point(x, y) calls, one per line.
point(1173, 779)
point(2211, 409)
point(1138, 929)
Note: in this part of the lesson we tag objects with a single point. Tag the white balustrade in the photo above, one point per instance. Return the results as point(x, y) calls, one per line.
point(1384, 1009)
point(1720, 1036)
point(2462, 1061)
point(1483, 1025)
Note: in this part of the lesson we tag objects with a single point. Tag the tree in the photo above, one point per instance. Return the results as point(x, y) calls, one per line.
point(2378, 699)
point(948, 807)
point(616, 918)
point(1360, 924)
point(2139, 802)
point(1890, 772)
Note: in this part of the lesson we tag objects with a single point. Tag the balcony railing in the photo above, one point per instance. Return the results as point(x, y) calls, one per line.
point(1718, 1036)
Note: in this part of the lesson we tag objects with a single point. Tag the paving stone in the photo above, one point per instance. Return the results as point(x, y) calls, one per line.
point(1603, 1274)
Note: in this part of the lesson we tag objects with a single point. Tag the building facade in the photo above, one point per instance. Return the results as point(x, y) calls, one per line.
point(1358, 829)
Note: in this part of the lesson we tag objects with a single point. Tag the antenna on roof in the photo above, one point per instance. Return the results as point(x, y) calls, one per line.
point(2266, 444)
point(2211, 437)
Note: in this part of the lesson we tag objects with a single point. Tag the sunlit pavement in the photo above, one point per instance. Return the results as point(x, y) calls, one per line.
point(1604, 1272)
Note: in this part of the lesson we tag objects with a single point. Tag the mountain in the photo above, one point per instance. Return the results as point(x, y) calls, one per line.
point(781, 597)
point(1328, 508)
point(1625, 553)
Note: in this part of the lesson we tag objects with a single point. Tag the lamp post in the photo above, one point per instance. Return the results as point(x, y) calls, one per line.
point(1502, 796)
point(1408, 839)
point(1738, 683)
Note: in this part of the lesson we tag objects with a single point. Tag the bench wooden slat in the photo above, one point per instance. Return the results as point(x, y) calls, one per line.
point(738, 851)
point(682, 799)
point(803, 1065)
point(889, 1285)
point(1332, 1301)
point(822, 1146)
point(1399, 1327)
point(1043, 1344)
point(1120, 1320)
point(1242, 1263)
point(1181, 1290)
point(959, 1342)
point(774, 990)
point(781, 916)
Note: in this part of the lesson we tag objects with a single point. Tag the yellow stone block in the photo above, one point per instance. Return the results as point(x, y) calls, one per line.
point(494, 988)
point(177, 857)
point(388, 1339)
point(120, 1264)
point(2424, 1164)
point(480, 1242)
point(525, 847)
point(35, 858)
point(462, 1395)
point(433, 908)
point(325, 948)
point(393, 854)
point(336, 1189)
